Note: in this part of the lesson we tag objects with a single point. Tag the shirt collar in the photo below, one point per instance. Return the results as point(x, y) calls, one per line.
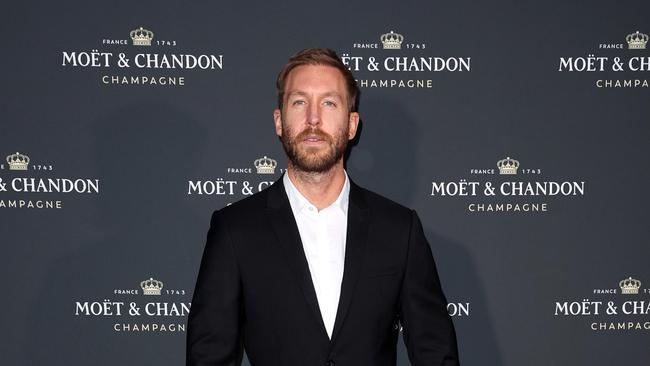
point(299, 202)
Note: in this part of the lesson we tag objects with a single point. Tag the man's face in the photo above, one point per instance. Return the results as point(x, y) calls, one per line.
point(314, 124)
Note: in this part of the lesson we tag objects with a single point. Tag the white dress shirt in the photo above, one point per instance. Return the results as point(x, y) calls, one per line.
point(323, 236)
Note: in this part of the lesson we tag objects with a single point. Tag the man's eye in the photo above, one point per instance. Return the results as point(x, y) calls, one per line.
point(298, 102)
point(329, 103)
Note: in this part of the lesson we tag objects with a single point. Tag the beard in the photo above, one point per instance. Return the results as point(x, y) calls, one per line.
point(314, 159)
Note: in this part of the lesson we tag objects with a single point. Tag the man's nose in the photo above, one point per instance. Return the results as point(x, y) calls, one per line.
point(313, 117)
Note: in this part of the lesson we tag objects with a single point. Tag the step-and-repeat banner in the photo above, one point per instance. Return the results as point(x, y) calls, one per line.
point(520, 133)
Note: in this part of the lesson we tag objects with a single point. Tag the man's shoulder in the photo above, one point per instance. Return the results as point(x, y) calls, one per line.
point(247, 207)
point(382, 205)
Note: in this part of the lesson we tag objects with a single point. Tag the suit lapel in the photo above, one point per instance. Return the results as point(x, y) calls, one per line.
point(286, 230)
point(357, 233)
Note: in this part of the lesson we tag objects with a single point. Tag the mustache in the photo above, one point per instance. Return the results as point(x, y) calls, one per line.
point(311, 133)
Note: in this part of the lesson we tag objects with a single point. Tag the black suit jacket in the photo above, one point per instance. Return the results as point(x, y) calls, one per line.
point(254, 290)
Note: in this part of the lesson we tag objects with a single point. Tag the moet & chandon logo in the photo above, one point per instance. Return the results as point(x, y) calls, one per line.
point(141, 37)
point(614, 71)
point(400, 64)
point(164, 314)
point(18, 161)
point(630, 286)
point(151, 287)
point(27, 180)
point(608, 304)
point(508, 166)
point(258, 175)
point(517, 189)
point(392, 41)
point(265, 165)
point(149, 65)
point(636, 41)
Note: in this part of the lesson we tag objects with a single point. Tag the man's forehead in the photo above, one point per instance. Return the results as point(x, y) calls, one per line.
point(321, 79)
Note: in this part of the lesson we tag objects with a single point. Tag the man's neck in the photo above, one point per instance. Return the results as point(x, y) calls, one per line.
point(320, 189)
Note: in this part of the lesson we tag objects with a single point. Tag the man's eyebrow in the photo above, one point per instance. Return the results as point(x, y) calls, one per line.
point(302, 94)
point(333, 94)
point(296, 93)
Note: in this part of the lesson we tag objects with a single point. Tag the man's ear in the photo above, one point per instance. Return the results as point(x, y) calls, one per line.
point(353, 123)
point(277, 119)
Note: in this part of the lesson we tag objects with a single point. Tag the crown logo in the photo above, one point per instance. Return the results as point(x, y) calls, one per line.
point(636, 41)
point(265, 165)
point(141, 37)
point(630, 286)
point(18, 161)
point(392, 40)
point(508, 166)
point(151, 286)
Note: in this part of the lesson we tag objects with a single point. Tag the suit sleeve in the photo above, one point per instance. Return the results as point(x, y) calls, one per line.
point(427, 327)
point(214, 333)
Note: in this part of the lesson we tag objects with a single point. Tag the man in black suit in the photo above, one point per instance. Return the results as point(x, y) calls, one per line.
point(316, 270)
